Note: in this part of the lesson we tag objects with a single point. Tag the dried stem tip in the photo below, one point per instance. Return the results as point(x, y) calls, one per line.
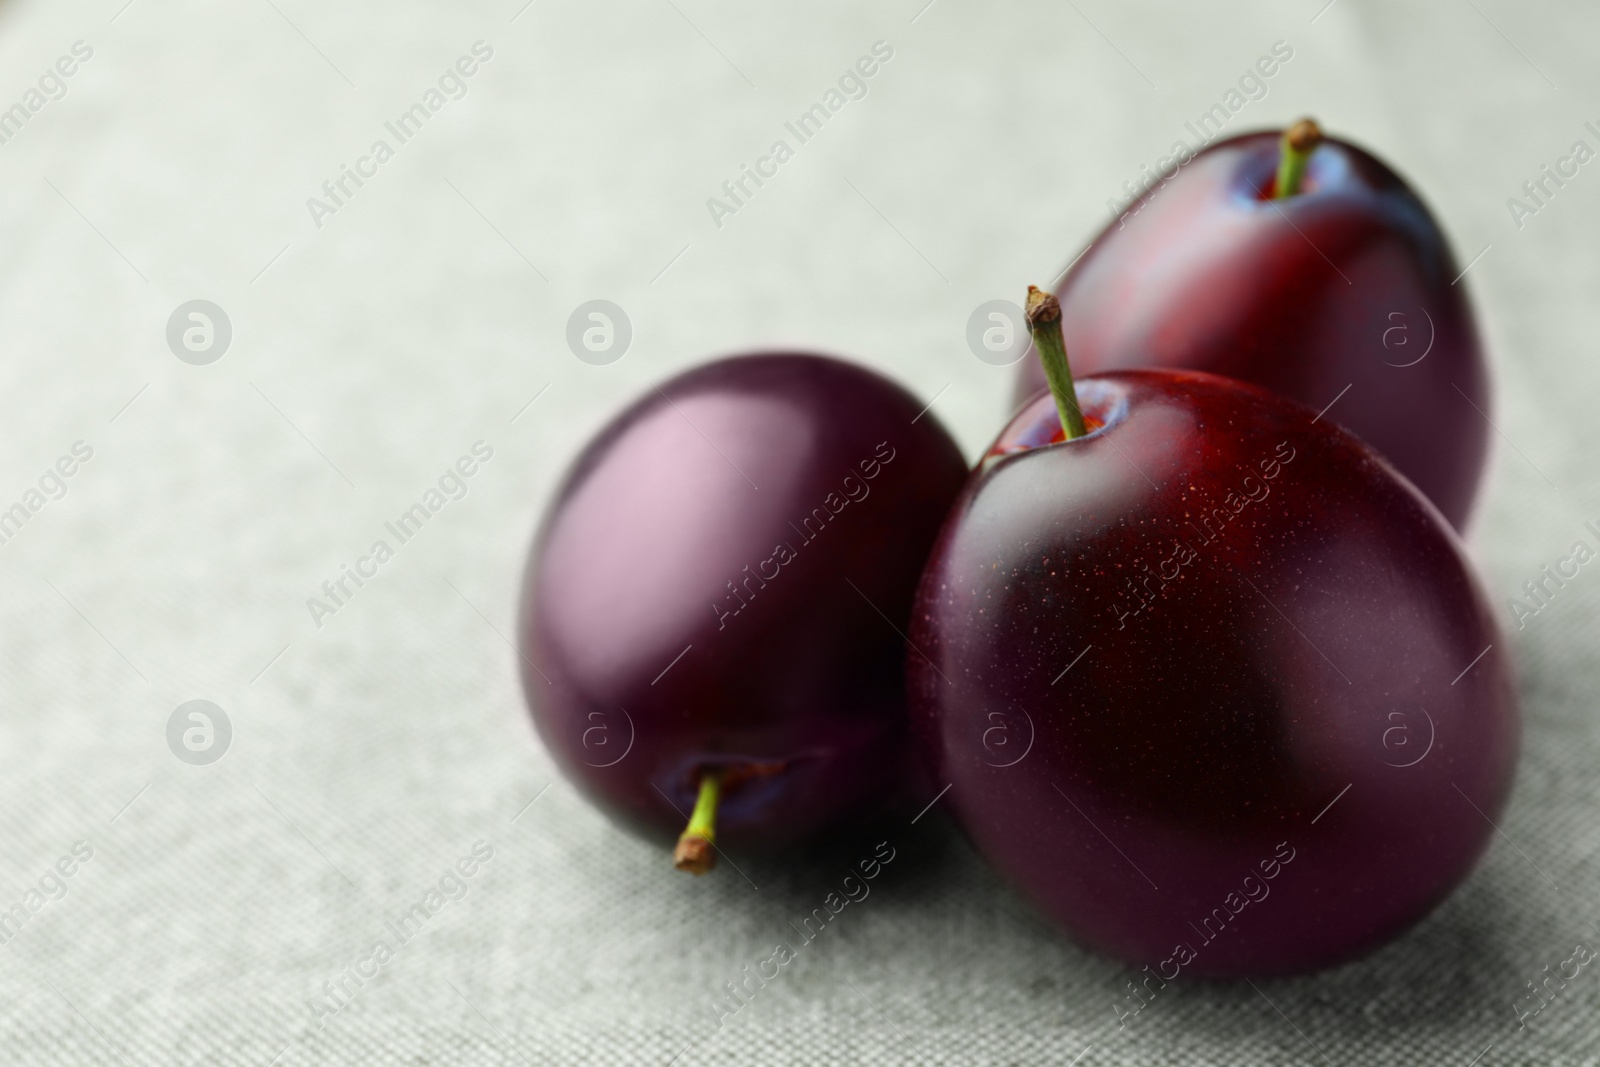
point(1042, 307)
point(694, 854)
point(1303, 136)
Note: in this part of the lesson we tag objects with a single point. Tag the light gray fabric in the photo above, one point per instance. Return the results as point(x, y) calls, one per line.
point(368, 354)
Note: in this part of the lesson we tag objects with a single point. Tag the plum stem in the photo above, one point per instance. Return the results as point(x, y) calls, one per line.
point(1299, 141)
point(696, 851)
point(1044, 321)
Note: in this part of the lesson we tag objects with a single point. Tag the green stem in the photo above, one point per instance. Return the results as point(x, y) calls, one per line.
point(696, 851)
point(1299, 141)
point(703, 820)
point(1044, 320)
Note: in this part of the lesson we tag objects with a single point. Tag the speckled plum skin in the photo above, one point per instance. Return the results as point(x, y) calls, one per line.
point(663, 633)
point(1346, 283)
point(1148, 661)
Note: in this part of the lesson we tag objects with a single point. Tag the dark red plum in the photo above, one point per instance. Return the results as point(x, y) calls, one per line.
point(1346, 282)
point(1211, 684)
point(714, 609)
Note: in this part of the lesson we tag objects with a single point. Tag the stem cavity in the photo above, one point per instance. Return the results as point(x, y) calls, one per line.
point(1044, 321)
point(1299, 141)
point(696, 851)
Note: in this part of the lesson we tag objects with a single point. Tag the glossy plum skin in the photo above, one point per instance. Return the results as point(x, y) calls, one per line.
point(1306, 629)
point(1346, 283)
point(664, 631)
